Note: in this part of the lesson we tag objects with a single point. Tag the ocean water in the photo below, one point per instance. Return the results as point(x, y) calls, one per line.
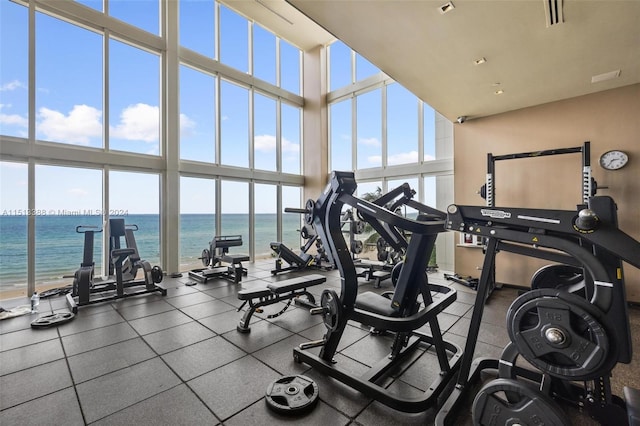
point(59, 248)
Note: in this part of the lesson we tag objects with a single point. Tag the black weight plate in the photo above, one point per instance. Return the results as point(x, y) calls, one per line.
point(292, 395)
point(156, 274)
point(532, 407)
point(381, 244)
point(395, 273)
point(586, 350)
point(562, 277)
point(52, 319)
point(205, 257)
point(309, 207)
point(330, 302)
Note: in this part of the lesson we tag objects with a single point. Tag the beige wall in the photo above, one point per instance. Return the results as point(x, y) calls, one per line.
point(609, 119)
point(315, 154)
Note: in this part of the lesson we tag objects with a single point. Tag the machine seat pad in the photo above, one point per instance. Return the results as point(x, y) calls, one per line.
point(373, 302)
point(296, 283)
point(235, 258)
point(254, 293)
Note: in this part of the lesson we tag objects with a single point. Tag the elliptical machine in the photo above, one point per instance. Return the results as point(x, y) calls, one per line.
point(124, 263)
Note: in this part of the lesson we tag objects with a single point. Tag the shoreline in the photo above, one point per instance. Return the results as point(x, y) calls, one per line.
point(63, 282)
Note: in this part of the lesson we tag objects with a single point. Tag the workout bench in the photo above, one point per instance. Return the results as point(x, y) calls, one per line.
point(217, 253)
point(275, 292)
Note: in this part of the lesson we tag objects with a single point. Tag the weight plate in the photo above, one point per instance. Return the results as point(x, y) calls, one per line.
point(357, 246)
point(395, 273)
point(52, 319)
point(308, 215)
point(306, 232)
point(330, 302)
point(562, 334)
point(491, 407)
point(205, 257)
point(561, 277)
point(358, 227)
point(292, 395)
point(156, 274)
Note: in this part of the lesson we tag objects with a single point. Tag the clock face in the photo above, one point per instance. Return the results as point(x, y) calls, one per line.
point(613, 160)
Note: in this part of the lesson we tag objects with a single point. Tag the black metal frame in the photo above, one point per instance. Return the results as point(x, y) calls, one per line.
point(557, 235)
point(85, 285)
point(406, 316)
point(490, 181)
point(219, 254)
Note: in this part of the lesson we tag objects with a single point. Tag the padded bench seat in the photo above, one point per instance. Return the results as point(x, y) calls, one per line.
point(296, 283)
point(235, 258)
point(373, 302)
point(276, 292)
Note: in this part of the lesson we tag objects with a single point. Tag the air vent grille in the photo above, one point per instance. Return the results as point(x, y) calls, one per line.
point(553, 12)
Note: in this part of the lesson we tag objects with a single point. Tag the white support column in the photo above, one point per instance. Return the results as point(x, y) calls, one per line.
point(170, 137)
point(315, 145)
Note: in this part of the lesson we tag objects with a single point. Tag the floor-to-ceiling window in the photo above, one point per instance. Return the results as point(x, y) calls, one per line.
point(105, 94)
point(68, 203)
point(197, 220)
point(14, 216)
point(387, 136)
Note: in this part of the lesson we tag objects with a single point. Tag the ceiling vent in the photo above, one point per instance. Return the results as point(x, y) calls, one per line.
point(553, 12)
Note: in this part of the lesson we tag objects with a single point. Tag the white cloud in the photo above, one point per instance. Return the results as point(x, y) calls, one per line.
point(12, 85)
point(403, 158)
point(428, 157)
point(265, 143)
point(78, 192)
point(369, 141)
point(187, 126)
point(139, 122)
point(13, 120)
point(288, 146)
point(82, 123)
point(5, 106)
point(374, 159)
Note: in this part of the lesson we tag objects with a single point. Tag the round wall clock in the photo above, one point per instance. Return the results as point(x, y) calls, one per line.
point(613, 160)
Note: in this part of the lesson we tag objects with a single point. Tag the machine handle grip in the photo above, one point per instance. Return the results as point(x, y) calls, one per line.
point(295, 210)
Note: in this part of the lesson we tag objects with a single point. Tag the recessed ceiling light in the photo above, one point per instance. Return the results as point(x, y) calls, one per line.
point(496, 84)
point(498, 92)
point(447, 7)
point(480, 61)
point(606, 76)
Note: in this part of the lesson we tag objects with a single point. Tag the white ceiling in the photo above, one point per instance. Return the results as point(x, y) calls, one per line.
point(432, 54)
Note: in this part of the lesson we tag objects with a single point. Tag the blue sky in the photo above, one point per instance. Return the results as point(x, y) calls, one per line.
point(70, 101)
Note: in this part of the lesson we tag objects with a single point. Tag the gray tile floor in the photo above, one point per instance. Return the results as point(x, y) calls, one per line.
point(179, 360)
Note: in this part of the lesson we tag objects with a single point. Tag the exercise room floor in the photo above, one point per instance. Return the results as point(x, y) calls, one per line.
point(179, 360)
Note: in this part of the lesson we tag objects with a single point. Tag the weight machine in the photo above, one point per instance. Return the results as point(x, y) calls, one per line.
point(321, 260)
point(573, 339)
point(589, 184)
point(124, 263)
point(398, 314)
point(218, 263)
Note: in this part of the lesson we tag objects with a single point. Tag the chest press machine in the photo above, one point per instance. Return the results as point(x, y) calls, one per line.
point(410, 306)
